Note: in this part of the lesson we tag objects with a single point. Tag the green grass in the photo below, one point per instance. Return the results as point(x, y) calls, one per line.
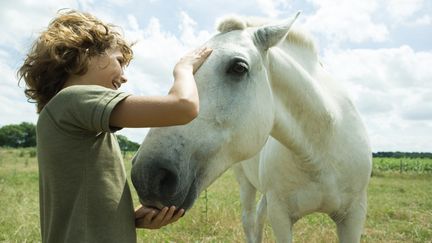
point(399, 210)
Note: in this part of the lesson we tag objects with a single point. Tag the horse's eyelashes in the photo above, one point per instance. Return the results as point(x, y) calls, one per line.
point(238, 68)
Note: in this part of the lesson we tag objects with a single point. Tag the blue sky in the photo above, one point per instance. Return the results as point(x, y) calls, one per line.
point(380, 50)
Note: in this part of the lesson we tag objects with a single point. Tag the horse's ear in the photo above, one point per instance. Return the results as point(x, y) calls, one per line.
point(270, 35)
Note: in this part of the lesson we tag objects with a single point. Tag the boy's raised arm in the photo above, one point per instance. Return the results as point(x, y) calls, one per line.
point(179, 107)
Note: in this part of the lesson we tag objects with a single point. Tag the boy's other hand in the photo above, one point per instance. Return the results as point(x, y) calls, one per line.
point(150, 218)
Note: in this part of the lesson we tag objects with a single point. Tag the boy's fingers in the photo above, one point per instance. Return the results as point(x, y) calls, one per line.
point(205, 52)
point(202, 49)
point(149, 217)
point(160, 216)
point(202, 52)
point(146, 221)
point(142, 211)
point(140, 223)
point(156, 220)
point(178, 215)
point(200, 60)
point(169, 214)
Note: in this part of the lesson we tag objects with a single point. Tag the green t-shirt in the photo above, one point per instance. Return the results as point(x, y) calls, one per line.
point(84, 194)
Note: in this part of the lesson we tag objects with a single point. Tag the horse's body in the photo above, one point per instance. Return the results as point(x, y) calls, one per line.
point(267, 103)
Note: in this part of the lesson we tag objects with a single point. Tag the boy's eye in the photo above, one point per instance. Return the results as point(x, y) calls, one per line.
point(120, 61)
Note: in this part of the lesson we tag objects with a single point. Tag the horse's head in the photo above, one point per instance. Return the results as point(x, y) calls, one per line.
point(174, 164)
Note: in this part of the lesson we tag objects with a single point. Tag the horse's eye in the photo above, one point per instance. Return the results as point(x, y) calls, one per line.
point(238, 68)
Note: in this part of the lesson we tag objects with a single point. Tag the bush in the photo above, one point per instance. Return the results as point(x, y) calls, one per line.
point(18, 136)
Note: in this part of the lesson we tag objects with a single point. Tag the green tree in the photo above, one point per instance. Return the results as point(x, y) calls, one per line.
point(126, 144)
point(29, 134)
point(21, 135)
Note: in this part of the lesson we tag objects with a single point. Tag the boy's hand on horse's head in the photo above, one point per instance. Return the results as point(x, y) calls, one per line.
point(193, 60)
point(150, 218)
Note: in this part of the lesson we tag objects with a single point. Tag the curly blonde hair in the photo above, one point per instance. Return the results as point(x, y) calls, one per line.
point(64, 49)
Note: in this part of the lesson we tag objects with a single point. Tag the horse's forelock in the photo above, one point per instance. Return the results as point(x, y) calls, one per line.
point(230, 23)
point(234, 22)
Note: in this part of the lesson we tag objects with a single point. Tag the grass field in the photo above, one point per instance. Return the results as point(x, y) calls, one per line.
point(400, 209)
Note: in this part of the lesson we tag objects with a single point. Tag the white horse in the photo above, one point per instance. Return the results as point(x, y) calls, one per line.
point(269, 107)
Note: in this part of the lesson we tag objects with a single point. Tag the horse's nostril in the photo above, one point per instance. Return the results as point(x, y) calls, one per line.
point(156, 181)
point(166, 181)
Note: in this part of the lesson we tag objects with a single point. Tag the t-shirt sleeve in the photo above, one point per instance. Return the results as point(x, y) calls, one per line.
point(84, 108)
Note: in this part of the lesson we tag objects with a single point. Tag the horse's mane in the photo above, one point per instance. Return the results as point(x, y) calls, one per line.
point(295, 36)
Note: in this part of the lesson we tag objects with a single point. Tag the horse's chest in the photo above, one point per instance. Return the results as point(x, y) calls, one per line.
point(303, 191)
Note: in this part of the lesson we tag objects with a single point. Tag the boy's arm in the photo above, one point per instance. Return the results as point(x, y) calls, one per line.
point(179, 107)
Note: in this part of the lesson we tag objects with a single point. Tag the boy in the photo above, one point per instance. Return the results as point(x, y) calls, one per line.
point(73, 72)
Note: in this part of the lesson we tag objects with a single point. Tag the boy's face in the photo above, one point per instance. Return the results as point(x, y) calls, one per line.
point(106, 70)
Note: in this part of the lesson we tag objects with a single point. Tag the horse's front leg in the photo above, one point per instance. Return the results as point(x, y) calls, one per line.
point(350, 225)
point(279, 218)
point(261, 217)
point(247, 199)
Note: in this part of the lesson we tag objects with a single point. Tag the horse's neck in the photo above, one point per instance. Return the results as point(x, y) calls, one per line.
point(305, 114)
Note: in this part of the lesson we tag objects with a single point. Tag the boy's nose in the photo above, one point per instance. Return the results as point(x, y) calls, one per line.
point(123, 79)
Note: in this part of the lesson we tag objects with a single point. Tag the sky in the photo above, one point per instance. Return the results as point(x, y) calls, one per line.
point(380, 50)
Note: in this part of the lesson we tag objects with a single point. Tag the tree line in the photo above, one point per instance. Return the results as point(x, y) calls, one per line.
point(398, 154)
point(23, 135)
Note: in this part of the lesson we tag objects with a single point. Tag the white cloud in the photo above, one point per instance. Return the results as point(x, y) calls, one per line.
point(156, 51)
point(423, 20)
point(272, 7)
point(133, 22)
point(384, 68)
point(393, 134)
point(188, 28)
point(119, 2)
point(402, 9)
point(418, 107)
point(392, 89)
point(346, 20)
point(13, 103)
point(25, 19)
